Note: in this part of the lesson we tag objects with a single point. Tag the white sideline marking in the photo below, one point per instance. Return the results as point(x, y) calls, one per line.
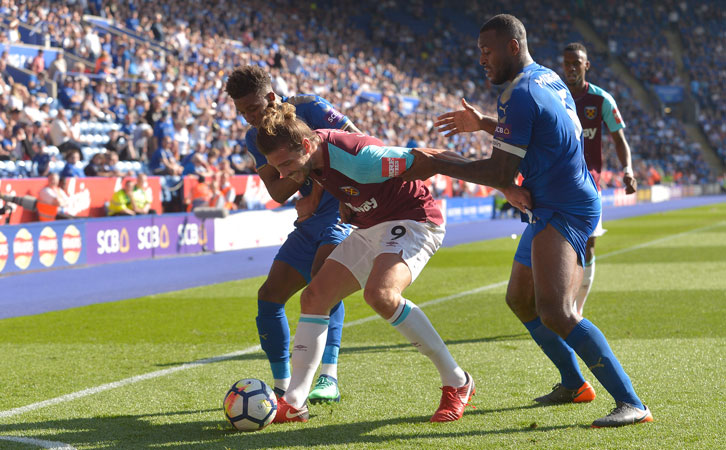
point(40, 443)
point(160, 373)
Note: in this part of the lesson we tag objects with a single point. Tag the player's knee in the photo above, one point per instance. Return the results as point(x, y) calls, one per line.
point(269, 293)
point(557, 319)
point(380, 298)
point(314, 300)
point(522, 307)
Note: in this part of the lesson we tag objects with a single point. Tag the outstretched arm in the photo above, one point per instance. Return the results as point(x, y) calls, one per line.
point(465, 120)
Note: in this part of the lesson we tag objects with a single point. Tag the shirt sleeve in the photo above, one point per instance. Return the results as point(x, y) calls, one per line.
point(611, 115)
point(516, 113)
point(251, 141)
point(372, 163)
point(322, 114)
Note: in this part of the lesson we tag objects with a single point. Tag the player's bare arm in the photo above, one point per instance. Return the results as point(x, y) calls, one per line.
point(351, 128)
point(518, 197)
point(497, 171)
point(465, 120)
point(306, 206)
point(623, 150)
point(280, 189)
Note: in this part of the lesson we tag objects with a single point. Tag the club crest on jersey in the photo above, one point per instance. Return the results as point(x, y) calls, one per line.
point(350, 190)
point(392, 167)
point(590, 112)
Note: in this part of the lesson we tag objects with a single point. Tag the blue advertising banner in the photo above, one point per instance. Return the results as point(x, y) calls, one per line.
point(469, 209)
point(42, 245)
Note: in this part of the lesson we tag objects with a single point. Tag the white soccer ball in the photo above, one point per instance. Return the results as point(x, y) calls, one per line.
point(250, 405)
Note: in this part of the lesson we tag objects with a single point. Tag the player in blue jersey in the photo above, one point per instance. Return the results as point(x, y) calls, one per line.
point(317, 231)
point(595, 106)
point(537, 133)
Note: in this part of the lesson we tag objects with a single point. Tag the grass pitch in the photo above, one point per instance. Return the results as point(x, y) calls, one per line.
point(659, 296)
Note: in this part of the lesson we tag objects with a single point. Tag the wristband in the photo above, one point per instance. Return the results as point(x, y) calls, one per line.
point(627, 170)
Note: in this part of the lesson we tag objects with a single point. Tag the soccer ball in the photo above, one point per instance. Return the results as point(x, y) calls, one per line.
point(250, 405)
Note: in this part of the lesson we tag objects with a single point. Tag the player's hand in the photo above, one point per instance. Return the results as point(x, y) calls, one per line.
point(518, 197)
point(345, 213)
point(631, 184)
point(422, 167)
point(305, 208)
point(462, 121)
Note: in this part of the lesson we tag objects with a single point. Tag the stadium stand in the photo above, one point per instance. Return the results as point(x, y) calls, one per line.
point(390, 66)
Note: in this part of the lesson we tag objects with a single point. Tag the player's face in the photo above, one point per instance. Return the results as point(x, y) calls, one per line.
point(575, 64)
point(252, 106)
point(495, 57)
point(290, 163)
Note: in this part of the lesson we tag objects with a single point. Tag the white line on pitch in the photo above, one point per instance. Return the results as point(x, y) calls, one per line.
point(160, 373)
point(51, 445)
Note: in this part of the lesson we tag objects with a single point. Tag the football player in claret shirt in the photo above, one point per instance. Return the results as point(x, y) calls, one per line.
point(398, 229)
point(537, 133)
point(595, 106)
point(317, 231)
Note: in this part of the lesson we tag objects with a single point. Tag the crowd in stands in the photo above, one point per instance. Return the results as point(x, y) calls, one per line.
point(158, 105)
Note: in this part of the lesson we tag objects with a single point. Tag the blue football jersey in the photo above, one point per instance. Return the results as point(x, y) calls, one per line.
point(318, 113)
point(537, 120)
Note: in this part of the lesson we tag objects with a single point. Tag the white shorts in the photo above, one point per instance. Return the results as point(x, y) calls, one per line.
point(416, 242)
point(599, 230)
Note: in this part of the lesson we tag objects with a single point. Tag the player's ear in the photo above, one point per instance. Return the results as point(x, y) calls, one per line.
point(307, 146)
point(270, 96)
point(587, 66)
point(514, 46)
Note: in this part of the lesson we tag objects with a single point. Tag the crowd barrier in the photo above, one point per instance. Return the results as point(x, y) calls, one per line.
point(45, 245)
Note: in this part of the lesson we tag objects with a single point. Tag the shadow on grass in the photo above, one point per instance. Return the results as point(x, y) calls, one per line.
point(259, 355)
point(141, 431)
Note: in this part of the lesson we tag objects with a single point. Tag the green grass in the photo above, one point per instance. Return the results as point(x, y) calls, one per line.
point(659, 297)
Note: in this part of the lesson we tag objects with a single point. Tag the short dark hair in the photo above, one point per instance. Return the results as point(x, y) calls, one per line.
point(506, 25)
point(576, 47)
point(246, 80)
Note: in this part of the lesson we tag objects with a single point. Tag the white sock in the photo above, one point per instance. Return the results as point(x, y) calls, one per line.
point(413, 324)
point(282, 383)
point(307, 351)
point(585, 287)
point(330, 370)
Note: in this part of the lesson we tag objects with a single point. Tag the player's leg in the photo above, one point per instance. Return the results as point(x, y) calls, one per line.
point(406, 246)
point(326, 386)
point(556, 278)
point(588, 275)
point(333, 282)
point(521, 300)
point(282, 282)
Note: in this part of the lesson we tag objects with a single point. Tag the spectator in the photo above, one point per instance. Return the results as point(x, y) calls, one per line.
point(53, 201)
point(71, 169)
point(121, 203)
point(62, 135)
point(58, 67)
point(143, 195)
point(163, 161)
point(38, 64)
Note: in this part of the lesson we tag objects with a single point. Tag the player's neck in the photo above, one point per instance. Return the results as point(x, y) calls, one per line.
point(316, 158)
point(578, 89)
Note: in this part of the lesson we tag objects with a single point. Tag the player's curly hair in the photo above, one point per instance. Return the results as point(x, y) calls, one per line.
point(247, 80)
point(281, 128)
point(576, 47)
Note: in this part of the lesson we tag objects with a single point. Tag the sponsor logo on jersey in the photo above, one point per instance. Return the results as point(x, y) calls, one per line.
point(350, 190)
point(589, 133)
point(502, 130)
point(364, 207)
point(392, 167)
point(590, 112)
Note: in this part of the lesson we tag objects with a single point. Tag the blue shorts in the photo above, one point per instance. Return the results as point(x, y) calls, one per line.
point(301, 245)
point(576, 229)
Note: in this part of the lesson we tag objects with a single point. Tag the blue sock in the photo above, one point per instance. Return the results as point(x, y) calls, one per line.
point(558, 352)
point(330, 355)
point(274, 334)
point(335, 332)
point(589, 342)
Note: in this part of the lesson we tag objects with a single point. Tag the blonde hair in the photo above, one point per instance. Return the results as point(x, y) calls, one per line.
point(280, 128)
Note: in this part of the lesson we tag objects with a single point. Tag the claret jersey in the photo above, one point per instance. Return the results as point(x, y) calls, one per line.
point(363, 173)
